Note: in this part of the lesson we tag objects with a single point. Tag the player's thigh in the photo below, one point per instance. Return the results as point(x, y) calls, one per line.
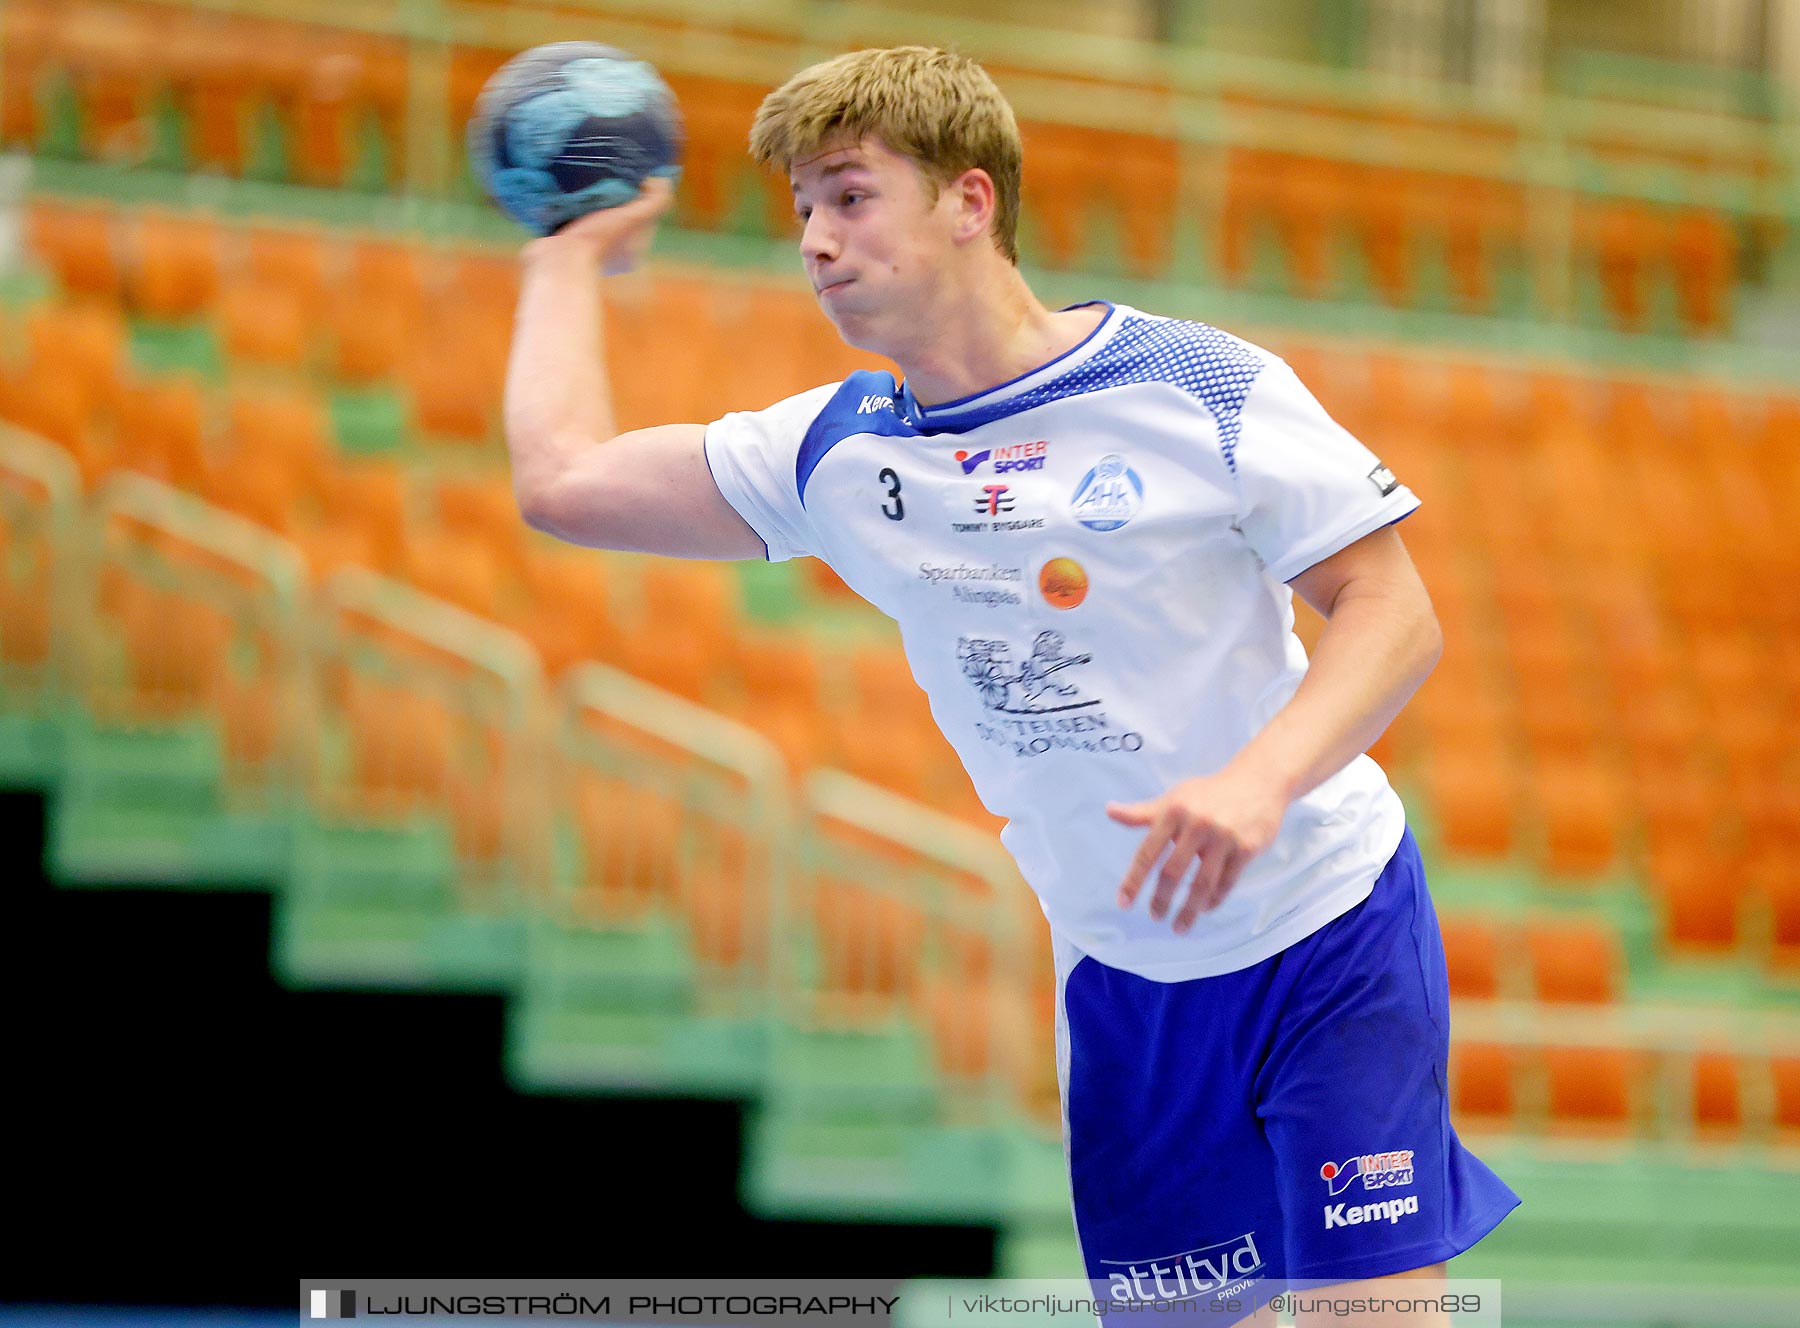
point(1354, 1100)
point(1172, 1179)
point(1408, 1299)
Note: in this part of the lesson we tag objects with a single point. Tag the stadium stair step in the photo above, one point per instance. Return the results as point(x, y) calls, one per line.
point(375, 905)
point(145, 805)
point(1641, 1218)
point(853, 1167)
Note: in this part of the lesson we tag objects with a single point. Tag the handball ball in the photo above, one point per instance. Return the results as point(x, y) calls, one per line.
point(569, 128)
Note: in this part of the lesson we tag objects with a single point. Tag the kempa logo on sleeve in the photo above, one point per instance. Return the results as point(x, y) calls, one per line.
point(333, 1305)
point(1352, 1215)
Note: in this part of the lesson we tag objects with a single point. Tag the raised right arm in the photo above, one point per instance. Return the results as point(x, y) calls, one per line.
point(574, 474)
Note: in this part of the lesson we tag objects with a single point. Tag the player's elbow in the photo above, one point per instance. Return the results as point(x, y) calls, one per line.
point(1430, 641)
point(543, 480)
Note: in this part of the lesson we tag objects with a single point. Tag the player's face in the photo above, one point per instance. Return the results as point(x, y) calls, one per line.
point(873, 235)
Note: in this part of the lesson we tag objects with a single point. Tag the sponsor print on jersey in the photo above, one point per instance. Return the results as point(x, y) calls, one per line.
point(1063, 583)
point(995, 499)
point(870, 405)
point(1383, 478)
point(1016, 456)
point(1213, 1271)
point(983, 585)
point(1035, 705)
point(1375, 1170)
point(1388, 1210)
point(1109, 495)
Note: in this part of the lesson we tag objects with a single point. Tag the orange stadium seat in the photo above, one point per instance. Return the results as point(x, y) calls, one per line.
point(296, 261)
point(371, 496)
point(1592, 1090)
point(1472, 949)
point(26, 37)
point(265, 325)
point(869, 942)
point(1581, 808)
point(393, 273)
point(564, 611)
point(162, 431)
point(717, 115)
point(1482, 1085)
point(1472, 793)
point(483, 508)
point(175, 266)
point(1718, 1108)
point(400, 750)
point(1704, 251)
point(1780, 897)
point(451, 400)
point(80, 244)
point(1699, 896)
point(1574, 959)
point(288, 425)
point(459, 568)
point(85, 341)
point(58, 409)
point(1784, 1074)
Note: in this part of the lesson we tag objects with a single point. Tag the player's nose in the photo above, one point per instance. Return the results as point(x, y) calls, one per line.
point(818, 242)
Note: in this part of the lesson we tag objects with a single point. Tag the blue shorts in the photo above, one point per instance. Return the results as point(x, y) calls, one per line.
point(1286, 1121)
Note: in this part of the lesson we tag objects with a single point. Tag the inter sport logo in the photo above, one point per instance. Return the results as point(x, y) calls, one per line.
point(1016, 456)
point(1374, 1169)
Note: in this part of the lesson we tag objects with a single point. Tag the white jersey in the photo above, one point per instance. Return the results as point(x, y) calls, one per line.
point(1087, 565)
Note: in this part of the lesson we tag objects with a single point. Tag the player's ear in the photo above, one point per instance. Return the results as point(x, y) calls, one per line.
point(974, 192)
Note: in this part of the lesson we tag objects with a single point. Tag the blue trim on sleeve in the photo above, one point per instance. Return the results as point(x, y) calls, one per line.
point(863, 404)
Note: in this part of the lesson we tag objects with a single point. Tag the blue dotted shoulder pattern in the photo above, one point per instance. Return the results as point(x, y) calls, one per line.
point(1196, 357)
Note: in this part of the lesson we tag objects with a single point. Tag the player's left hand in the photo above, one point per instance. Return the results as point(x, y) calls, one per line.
point(1224, 820)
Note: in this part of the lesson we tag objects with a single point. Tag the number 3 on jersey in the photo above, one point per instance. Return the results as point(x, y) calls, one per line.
point(894, 509)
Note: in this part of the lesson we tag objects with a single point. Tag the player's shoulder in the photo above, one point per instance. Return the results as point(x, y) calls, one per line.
point(1208, 363)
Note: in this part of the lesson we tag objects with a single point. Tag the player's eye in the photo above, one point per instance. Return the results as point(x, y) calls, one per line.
point(853, 196)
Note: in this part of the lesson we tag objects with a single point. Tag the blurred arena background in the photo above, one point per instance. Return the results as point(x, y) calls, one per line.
point(392, 888)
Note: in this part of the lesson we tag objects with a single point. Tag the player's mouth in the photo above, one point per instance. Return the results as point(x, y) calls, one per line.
point(834, 286)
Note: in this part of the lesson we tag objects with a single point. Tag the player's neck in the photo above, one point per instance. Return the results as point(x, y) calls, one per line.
point(990, 337)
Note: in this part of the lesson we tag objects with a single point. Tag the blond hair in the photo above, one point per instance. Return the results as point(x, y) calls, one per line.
point(934, 106)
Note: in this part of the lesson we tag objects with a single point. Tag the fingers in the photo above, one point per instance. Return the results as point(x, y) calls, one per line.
point(1143, 860)
point(1132, 813)
point(1176, 866)
point(1218, 872)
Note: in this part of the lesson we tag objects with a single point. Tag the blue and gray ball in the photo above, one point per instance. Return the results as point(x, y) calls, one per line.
point(567, 129)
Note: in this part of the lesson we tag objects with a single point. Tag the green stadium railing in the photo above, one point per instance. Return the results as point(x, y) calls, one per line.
point(426, 834)
point(179, 758)
point(40, 508)
point(648, 964)
point(904, 990)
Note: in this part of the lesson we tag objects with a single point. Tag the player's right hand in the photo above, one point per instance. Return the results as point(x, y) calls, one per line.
point(618, 236)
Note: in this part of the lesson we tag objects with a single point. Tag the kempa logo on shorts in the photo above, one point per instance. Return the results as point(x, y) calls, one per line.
point(1351, 1215)
point(1191, 1273)
point(1375, 1169)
